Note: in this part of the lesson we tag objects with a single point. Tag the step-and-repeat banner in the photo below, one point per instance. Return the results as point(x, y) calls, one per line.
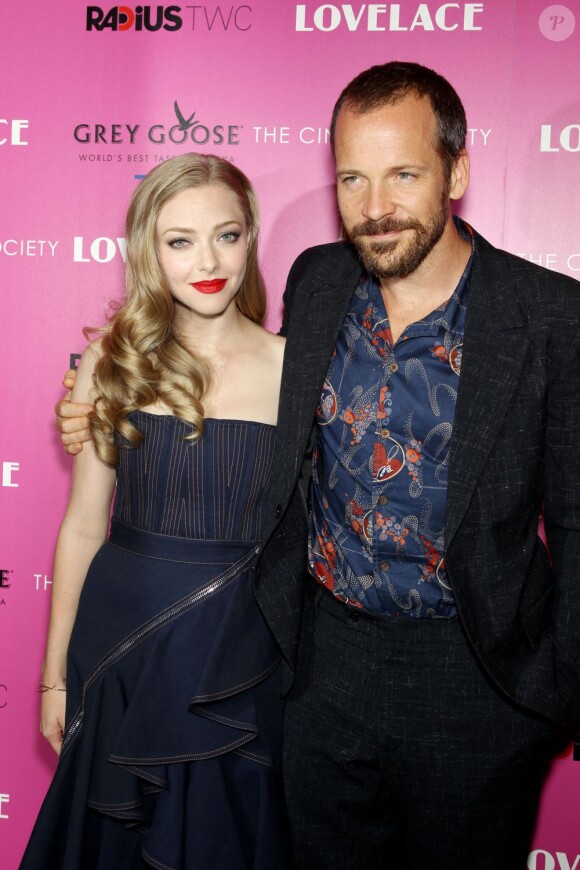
point(93, 96)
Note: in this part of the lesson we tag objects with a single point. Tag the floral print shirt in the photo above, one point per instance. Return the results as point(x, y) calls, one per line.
point(381, 457)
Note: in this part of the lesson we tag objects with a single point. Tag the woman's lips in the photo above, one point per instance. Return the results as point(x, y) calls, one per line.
point(210, 286)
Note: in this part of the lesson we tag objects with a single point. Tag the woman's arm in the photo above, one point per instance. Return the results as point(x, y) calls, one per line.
point(83, 530)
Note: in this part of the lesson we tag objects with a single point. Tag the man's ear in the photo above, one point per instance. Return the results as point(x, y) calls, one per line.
point(459, 175)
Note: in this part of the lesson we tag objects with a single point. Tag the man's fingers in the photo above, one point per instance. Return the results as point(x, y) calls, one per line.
point(73, 449)
point(72, 416)
point(69, 379)
point(73, 426)
point(75, 436)
point(65, 408)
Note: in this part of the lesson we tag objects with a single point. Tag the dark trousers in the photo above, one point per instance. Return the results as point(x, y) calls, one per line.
point(401, 753)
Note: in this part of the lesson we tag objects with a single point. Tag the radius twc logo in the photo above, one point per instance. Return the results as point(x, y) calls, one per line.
point(120, 19)
point(187, 129)
point(394, 17)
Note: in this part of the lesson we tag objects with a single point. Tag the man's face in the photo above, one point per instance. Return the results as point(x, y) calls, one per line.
point(393, 192)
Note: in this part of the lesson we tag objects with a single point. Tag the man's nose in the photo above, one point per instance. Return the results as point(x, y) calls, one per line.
point(378, 202)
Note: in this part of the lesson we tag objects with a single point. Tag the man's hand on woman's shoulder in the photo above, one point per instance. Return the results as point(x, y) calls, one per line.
point(72, 418)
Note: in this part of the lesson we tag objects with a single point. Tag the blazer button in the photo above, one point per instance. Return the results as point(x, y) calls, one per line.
point(278, 511)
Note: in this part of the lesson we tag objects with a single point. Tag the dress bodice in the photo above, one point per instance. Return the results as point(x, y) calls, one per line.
point(212, 488)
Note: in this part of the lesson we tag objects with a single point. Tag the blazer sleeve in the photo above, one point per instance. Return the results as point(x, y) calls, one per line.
point(562, 520)
point(297, 272)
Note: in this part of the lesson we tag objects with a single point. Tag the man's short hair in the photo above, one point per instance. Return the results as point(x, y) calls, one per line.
point(390, 82)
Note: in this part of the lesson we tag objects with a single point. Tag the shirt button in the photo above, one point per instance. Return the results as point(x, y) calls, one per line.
point(353, 616)
point(384, 433)
point(383, 499)
point(393, 367)
point(384, 566)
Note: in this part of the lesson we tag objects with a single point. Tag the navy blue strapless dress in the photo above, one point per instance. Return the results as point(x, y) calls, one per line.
point(171, 756)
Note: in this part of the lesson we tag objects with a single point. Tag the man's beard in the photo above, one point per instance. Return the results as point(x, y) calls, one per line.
point(401, 257)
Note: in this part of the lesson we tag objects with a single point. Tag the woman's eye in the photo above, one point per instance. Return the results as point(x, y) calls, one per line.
point(230, 237)
point(178, 243)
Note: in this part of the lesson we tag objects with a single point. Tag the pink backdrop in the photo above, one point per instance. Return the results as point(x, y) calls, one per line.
point(83, 112)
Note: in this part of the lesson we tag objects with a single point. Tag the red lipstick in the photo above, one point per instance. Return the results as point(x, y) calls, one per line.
point(210, 286)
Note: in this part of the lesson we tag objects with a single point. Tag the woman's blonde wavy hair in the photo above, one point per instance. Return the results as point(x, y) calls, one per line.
point(143, 359)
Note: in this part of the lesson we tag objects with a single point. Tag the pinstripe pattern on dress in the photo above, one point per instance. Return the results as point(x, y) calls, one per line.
point(168, 493)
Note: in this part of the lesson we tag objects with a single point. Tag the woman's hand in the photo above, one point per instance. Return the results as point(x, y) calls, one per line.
point(52, 713)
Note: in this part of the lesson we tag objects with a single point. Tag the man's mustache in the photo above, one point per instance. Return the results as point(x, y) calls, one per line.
point(378, 228)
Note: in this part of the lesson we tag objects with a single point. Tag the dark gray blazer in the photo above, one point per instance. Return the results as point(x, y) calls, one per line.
point(515, 447)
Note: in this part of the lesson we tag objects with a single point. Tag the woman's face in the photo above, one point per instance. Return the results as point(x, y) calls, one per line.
point(202, 241)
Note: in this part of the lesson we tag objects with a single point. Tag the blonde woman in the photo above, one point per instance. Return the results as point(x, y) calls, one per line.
point(160, 683)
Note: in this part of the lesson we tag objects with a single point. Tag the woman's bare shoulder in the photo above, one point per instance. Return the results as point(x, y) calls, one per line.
point(92, 353)
point(268, 341)
point(83, 387)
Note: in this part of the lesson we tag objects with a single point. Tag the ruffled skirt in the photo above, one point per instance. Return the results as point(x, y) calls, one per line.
point(171, 757)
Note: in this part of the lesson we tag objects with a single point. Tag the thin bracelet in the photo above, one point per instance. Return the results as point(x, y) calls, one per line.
point(43, 688)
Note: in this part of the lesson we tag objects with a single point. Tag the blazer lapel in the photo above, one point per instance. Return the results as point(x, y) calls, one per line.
point(494, 350)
